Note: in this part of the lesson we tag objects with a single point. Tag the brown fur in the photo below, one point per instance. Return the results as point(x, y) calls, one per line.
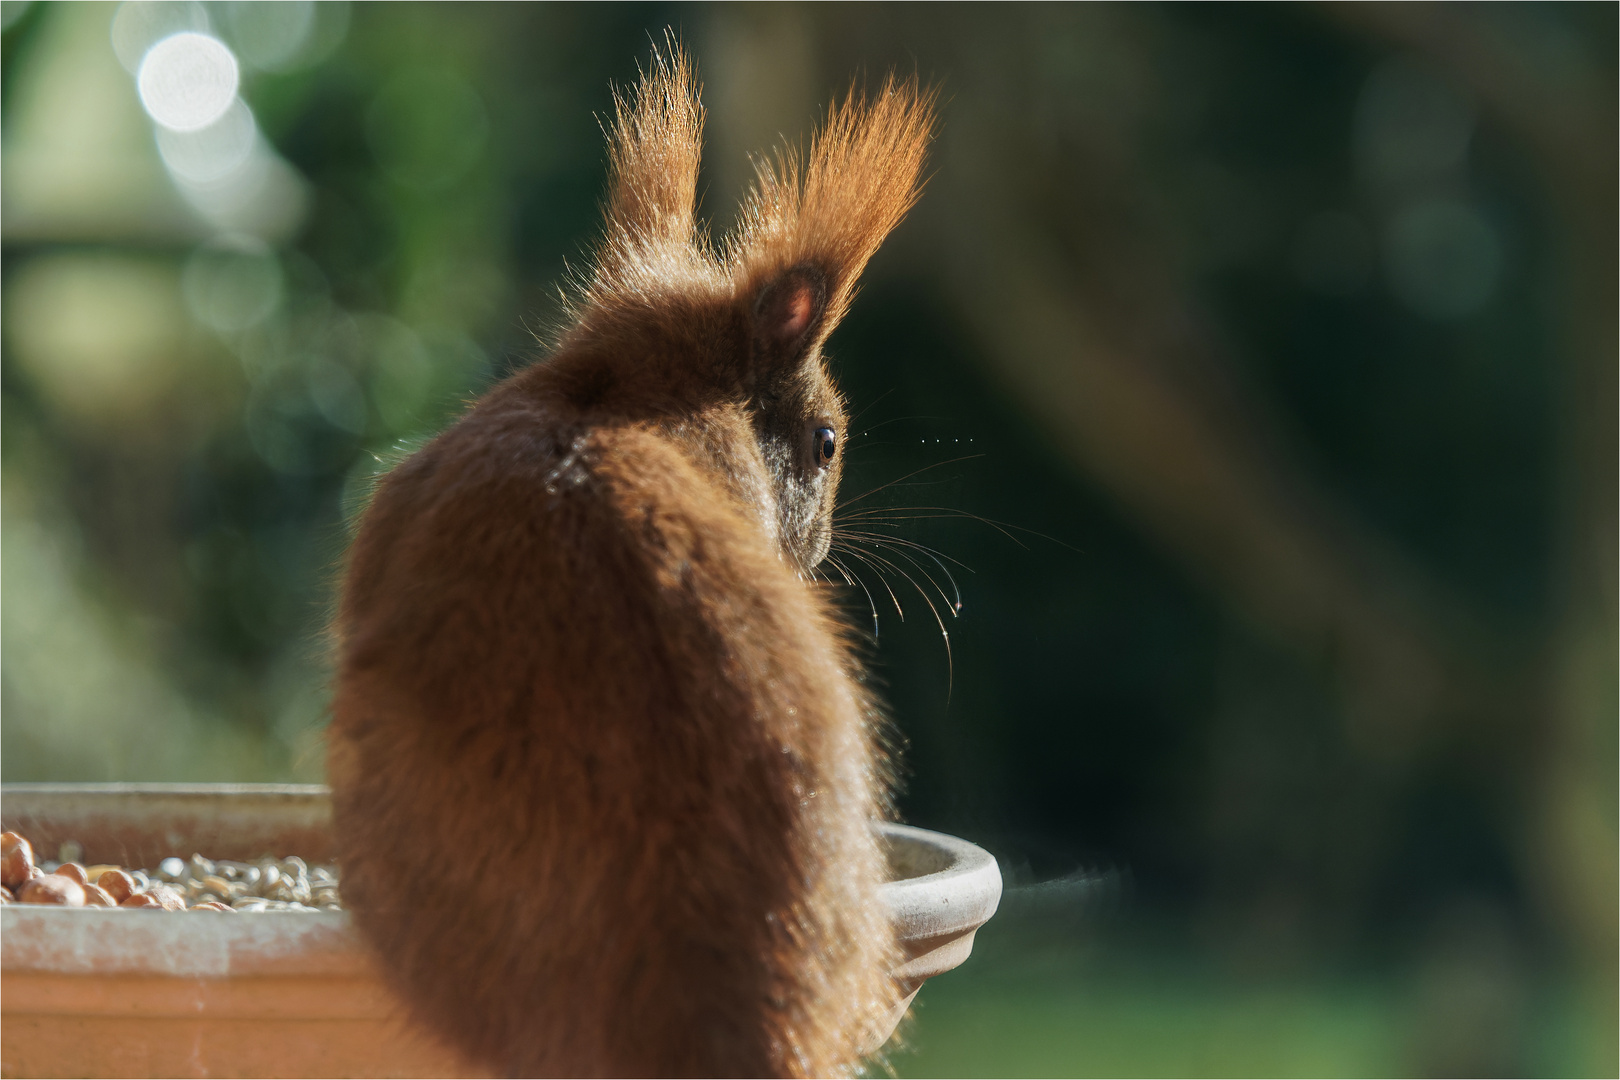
point(603, 775)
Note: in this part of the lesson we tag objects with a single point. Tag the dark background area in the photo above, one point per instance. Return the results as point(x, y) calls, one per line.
point(1247, 372)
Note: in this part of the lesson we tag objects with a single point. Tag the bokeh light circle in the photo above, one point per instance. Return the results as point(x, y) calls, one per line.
point(188, 80)
point(232, 283)
point(213, 153)
point(1444, 259)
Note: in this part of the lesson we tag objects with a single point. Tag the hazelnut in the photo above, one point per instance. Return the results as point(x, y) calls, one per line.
point(53, 889)
point(140, 900)
point(75, 871)
point(16, 860)
point(96, 896)
point(5, 895)
point(119, 885)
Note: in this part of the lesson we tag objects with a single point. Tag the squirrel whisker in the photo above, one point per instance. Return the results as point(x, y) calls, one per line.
point(953, 602)
point(878, 562)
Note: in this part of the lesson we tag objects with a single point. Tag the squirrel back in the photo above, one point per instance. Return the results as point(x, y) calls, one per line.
point(604, 776)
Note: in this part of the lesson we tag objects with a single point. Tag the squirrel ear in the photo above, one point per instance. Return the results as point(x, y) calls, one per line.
point(788, 312)
point(823, 216)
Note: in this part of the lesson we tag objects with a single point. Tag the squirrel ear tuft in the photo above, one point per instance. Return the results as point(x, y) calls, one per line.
point(788, 312)
point(654, 143)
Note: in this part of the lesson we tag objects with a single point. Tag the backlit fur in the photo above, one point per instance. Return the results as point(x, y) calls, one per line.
point(604, 776)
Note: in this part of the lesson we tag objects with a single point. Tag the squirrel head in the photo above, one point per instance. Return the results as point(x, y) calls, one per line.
point(722, 344)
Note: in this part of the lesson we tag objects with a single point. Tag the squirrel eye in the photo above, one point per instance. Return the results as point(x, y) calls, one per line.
point(826, 446)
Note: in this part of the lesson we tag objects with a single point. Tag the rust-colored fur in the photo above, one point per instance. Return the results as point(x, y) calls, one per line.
point(603, 776)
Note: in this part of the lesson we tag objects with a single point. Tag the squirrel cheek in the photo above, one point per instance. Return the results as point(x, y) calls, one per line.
point(769, 514)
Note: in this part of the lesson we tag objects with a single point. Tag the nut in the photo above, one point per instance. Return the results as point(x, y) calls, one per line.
point(96, 896)
point(167, 896)
point(53, 889)
point(219, 886)
point(196, 884)
point(16, 860)
point(243, 873)
point(118, 885)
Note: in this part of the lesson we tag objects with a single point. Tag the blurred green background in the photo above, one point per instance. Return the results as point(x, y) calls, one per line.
point(1255, 365)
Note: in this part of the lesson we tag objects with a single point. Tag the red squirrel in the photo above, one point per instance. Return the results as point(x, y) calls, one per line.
point(604, 773)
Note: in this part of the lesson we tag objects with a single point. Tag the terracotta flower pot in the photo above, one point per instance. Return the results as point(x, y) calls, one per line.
point(97, 992)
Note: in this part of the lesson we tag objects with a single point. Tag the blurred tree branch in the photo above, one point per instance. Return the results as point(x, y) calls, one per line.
point(1560, 105)
point(1088, 319)
point(1118, 396)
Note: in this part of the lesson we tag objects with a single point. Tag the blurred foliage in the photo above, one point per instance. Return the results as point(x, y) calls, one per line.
point(1250, 369)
